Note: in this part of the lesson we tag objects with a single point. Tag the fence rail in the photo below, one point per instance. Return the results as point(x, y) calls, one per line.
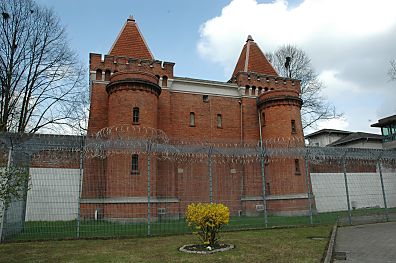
point(137, 182)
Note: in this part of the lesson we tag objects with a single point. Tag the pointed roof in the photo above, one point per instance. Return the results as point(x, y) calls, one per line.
point(252, 59)
point(130, 42)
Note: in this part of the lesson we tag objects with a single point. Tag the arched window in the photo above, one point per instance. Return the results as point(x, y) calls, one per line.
point(158, 78)
point(98, 74)
point(247, 87)
point(135, 164)
point(192, 119)
point(293, 126)
point(135, 115)
point(219, 121)
point(164, 81)
point(107, 75)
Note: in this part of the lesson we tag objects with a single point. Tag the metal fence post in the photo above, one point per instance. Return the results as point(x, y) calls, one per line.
point(383, 190)
point(148, 193)
point(263, 181)
point(307, 182)
point(80, 187)
point(210, 175)
point(263, 184)
point(347, 191)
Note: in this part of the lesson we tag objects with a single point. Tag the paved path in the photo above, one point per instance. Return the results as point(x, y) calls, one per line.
point(373, 243)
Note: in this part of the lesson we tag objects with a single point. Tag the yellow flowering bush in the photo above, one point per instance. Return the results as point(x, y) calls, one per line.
point(207, 220)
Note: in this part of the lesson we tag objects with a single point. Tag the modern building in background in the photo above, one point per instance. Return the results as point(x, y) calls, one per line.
point(340, 138)
point(130, 90)
point(388, 131)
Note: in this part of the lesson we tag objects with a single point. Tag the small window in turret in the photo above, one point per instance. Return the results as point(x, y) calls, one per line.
point(293, 126)
point(135, 164)
point(219, 121)
point(135, 116)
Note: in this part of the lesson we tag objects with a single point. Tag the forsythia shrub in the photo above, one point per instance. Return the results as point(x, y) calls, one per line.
point(207, 220)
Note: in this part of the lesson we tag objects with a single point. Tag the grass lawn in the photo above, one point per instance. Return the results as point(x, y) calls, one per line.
point(271, 245)
point(56, 230)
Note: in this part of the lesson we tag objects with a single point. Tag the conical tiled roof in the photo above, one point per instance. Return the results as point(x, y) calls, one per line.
point(252, 59)
point(130, 42)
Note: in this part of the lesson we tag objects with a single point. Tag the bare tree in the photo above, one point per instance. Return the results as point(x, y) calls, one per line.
point(392, 70)
point(298, 66)
point(41, 78)
point(12, 186)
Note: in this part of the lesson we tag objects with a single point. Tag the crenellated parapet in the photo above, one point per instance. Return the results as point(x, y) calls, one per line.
point(257, 84)
point(104, 67)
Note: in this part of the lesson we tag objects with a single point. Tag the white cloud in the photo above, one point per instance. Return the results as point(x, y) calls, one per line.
point(350, 43)
point(338, 124)
point(273, 24)
point(335, 85)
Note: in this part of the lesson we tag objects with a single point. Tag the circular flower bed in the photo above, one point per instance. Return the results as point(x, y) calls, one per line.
point(204, 249)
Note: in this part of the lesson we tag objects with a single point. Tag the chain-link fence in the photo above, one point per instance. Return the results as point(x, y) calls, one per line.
point(136, 182)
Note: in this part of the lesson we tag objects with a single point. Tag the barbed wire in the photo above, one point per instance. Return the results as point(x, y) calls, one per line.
point(128, 139)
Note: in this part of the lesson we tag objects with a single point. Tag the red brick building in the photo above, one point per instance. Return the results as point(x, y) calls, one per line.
point(129, 87)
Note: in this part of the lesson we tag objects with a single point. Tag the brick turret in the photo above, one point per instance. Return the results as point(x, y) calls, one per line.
point(279, 105)
point(125, 90)
point(127, 78)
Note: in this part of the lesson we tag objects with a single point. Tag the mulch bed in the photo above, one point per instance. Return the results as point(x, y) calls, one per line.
point(204, 249)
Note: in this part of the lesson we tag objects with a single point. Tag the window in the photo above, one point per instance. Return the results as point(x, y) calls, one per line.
point(107, 75)
point(164, 81)
point(386, 131)
point(135, 117)
point(247, 87)
point(268, 189)
point(205, 98)
point(297, 166)
point(293, 126)
point(219, 121)
point(135, 164)
point(98, 74)
point(192, 119)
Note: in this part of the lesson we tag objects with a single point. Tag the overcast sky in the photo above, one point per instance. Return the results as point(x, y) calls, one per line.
point(350, 42)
